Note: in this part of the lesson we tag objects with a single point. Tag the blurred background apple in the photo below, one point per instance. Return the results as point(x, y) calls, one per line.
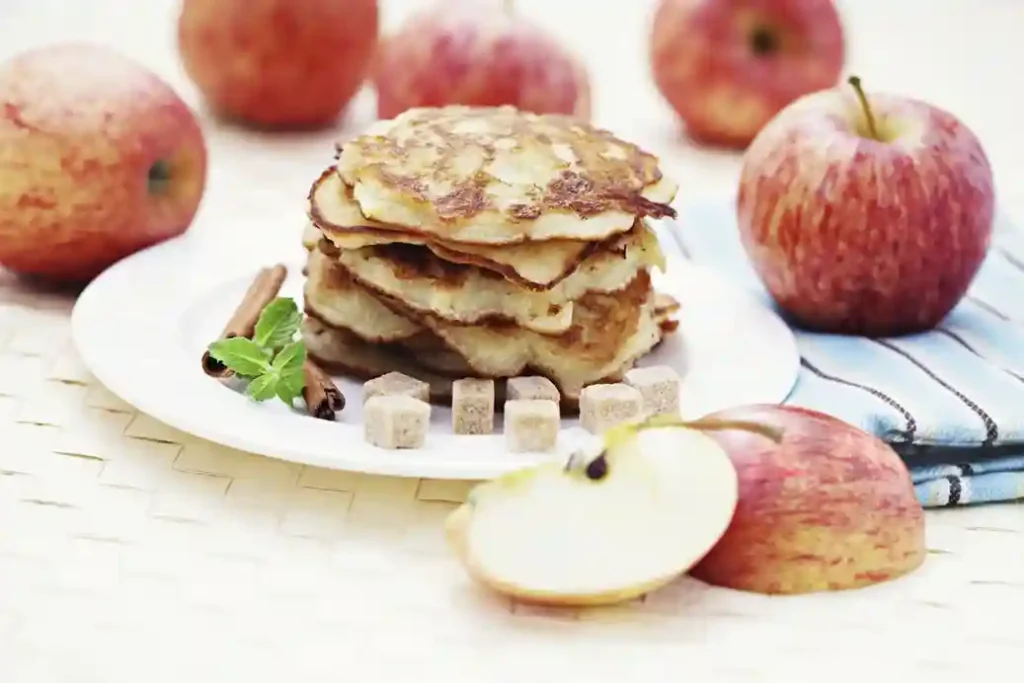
point(98, 158)
point(728, 66)
point(477, 52)
point(278, 63)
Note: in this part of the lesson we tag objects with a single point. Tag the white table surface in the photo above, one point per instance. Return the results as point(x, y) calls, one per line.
point(131, 552)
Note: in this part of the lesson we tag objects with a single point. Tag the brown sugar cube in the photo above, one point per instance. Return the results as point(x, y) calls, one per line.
point(396, 421)
point(396, 384)
point(605, 405)
point(531, 426)
point(531, 388)
point(473, 406)
point(659, 387)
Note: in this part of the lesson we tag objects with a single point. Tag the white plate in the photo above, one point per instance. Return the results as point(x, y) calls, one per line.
point(142, 325)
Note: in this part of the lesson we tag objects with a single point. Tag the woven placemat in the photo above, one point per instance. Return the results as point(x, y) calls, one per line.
point(130, 551)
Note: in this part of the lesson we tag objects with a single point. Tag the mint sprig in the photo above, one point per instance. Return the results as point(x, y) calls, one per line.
point(272, 360)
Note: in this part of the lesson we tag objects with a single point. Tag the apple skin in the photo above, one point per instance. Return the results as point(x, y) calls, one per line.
point(477, 53)
point(284, 64)
point(706, 65)
point(853, 235)
point(81, 128)
point(829, 508)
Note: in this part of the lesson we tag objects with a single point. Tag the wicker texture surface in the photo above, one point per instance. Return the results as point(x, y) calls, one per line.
point(133, 552)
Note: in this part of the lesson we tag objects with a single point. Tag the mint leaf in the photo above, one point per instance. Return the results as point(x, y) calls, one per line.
point(243, 356)
point(263, 387)
point(290, 385)
point(288, 365)
point(278, 323)
point(291, 356)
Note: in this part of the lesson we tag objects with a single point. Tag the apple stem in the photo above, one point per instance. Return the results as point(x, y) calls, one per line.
point(710, 424)
point(854, 82)
point(715, 425)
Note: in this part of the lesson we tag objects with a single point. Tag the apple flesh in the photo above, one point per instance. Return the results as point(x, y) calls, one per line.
point(728, 66)
point(285, 64)
point(868, 232)
point(477, 53)
point(100, 159)
point(829, 507)
point(608, 527)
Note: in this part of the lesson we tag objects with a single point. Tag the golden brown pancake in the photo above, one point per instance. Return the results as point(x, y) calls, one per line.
point(485, 175)
point(532, 264)
point(333, 296)
point(343, 354)
point(460, 294)
point(608, 331)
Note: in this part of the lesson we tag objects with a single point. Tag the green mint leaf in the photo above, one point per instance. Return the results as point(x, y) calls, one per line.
point(291, 356)
point(290, 384)
point(263, 387)
point(241, 355)
point(278, 323)
point(288, 364)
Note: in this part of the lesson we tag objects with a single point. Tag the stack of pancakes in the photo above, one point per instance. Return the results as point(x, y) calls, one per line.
point(485, 242)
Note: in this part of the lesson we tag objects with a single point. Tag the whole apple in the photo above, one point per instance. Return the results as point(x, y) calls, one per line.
point(477, 52)
point(728, 66)
point(99, 158)
point(828, 507)
point(278, 63)
point(866, 215)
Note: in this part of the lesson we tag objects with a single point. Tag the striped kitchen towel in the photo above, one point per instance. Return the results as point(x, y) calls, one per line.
point(950, 401)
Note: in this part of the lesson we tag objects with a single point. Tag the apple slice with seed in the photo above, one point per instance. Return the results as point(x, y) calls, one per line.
point(612, 524)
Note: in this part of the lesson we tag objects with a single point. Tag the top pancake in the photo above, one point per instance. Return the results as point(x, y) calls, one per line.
point(535, 265)
point(496, 175)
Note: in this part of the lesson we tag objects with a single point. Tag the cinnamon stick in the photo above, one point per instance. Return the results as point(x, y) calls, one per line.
point(264, 289)
point(322, 396)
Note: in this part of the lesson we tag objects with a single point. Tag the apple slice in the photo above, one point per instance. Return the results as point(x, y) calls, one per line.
point(617, 521)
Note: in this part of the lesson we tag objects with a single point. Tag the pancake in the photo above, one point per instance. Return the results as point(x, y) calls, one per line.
point(531, 264)
point(457, 293)
point(310, 237)
point(333, 296)
point(496, 175)
point(468, 295)
point(342, 354)
point(608, 331)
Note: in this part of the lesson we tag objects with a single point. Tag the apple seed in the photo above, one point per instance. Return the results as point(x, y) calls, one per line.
point(597, 469)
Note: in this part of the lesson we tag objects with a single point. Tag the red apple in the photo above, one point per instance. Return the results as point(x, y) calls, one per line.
point(98, 159)
point(278, 63)
point(866, 218)
point(728, 66)
point(477, 52)
point(829, 507)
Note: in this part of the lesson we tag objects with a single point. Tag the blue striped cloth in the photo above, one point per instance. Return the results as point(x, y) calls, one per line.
point(950, 402)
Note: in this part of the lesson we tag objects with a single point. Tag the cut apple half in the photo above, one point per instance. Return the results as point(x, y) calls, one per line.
point(617, 521)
